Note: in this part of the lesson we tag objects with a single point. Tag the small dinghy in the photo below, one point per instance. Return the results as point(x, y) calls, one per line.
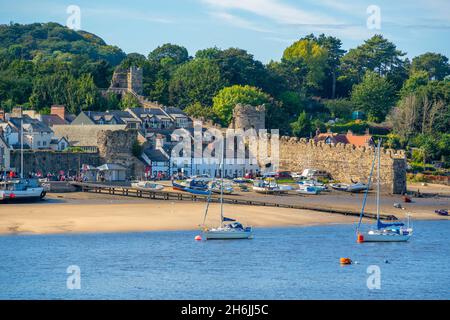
point(147, 185)
point(442, 212)
point(307, 190)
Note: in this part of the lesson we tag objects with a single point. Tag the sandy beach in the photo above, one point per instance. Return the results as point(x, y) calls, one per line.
point(87, 212)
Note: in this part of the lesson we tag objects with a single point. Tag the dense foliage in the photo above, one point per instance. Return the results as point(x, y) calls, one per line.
point(314, 85)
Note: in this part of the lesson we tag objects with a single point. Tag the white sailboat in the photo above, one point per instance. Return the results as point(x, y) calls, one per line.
point(383, 232)
point(229, 228)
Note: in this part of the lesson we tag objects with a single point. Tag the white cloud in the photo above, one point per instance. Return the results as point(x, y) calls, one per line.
point(237, 21)
point(273, 10)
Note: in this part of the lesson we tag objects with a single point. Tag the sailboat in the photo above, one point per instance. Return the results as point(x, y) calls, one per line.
point(383, 232)
point(229, 228)
point(21, 189)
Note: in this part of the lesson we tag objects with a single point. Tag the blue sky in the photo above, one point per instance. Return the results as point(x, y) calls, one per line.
point(262, 27)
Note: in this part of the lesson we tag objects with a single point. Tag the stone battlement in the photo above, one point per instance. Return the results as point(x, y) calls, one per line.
point(394, 154)
point(344, 162)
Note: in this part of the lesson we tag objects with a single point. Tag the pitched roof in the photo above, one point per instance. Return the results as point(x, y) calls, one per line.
point(29, 122)
point(140, 112)
point(84, 135)
point(155, 155)
point(52, 119)
point(348, 138)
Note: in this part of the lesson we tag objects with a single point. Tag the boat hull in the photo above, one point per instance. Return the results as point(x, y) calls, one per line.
point(385, 237)
point(227, 235)
point(30, 194)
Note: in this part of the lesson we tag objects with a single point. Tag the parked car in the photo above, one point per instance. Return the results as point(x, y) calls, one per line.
point(249, 175)
point(283, 175)
point(315, 174)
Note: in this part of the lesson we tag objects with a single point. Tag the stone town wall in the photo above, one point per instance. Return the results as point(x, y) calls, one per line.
point(47, 161)
point(113, 147)
point(344, 162)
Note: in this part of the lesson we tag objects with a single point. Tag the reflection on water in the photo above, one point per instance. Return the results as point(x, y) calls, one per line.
point(279, 263)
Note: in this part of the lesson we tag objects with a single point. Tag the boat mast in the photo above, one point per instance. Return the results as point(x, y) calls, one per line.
point(367, 190)
point(378, 182)
point(21, 149)
point(221, 182)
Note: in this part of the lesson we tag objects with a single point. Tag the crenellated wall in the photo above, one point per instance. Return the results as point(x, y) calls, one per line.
point(344, 162)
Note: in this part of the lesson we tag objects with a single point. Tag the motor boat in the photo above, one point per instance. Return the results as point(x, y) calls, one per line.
point(21, 189)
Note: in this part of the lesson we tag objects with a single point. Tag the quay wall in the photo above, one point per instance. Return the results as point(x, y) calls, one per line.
point(114, 146)
point(344, 162)
point(52, 161)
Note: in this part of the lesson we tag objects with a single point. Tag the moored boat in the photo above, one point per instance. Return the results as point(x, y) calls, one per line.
point(22, 189)
point(383, 232)
point(229, 229)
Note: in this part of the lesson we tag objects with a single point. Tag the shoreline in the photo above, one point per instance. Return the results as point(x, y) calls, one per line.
point(81, 213)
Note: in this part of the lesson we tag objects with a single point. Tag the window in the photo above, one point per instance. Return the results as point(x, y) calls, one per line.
point(39, 143)
point(44, 143)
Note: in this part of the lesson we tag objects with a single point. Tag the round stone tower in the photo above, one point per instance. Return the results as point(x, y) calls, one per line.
point(248, 117)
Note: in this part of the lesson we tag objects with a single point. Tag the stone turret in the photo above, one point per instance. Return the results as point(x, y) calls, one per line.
point(135, 80)
point(127, 80)
point(248, 117)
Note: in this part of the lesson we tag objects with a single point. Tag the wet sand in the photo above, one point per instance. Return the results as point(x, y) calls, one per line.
point(87, 212)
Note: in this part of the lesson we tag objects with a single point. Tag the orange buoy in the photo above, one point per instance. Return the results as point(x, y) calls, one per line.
point(345, 261)
point(198, 238)
point(360, 238)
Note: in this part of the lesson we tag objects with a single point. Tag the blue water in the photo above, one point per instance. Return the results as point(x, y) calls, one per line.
point(279, 263)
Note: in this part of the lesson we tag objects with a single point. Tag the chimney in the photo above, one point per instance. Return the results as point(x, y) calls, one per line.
point(2, 115)
point(349, 132)
point(58, 110)
point(16, 112)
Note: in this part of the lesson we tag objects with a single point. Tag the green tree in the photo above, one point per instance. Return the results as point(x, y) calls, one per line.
point(376, 54)
point(196, 110)
point(434, 64)
point(335, 52)
point(227, 98)
point(176, 53)
point(314, 56)
point(374, 95)
point(129, 101)
point(340, 108)
point(302, 126)
point(195, 81)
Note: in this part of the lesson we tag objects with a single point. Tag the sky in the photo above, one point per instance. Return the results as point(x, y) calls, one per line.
point(262, 27)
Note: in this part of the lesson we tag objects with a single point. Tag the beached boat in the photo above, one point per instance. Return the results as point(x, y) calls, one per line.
point(229, 229)
point(266, 187)
point(216, 187)
point(307, 190)
point(383, 232)
point(147, 185)
point(442, 212)
point(192, 186)
point(312, 183)
point(179, 185)
point(22, 189)
point(354, 187)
